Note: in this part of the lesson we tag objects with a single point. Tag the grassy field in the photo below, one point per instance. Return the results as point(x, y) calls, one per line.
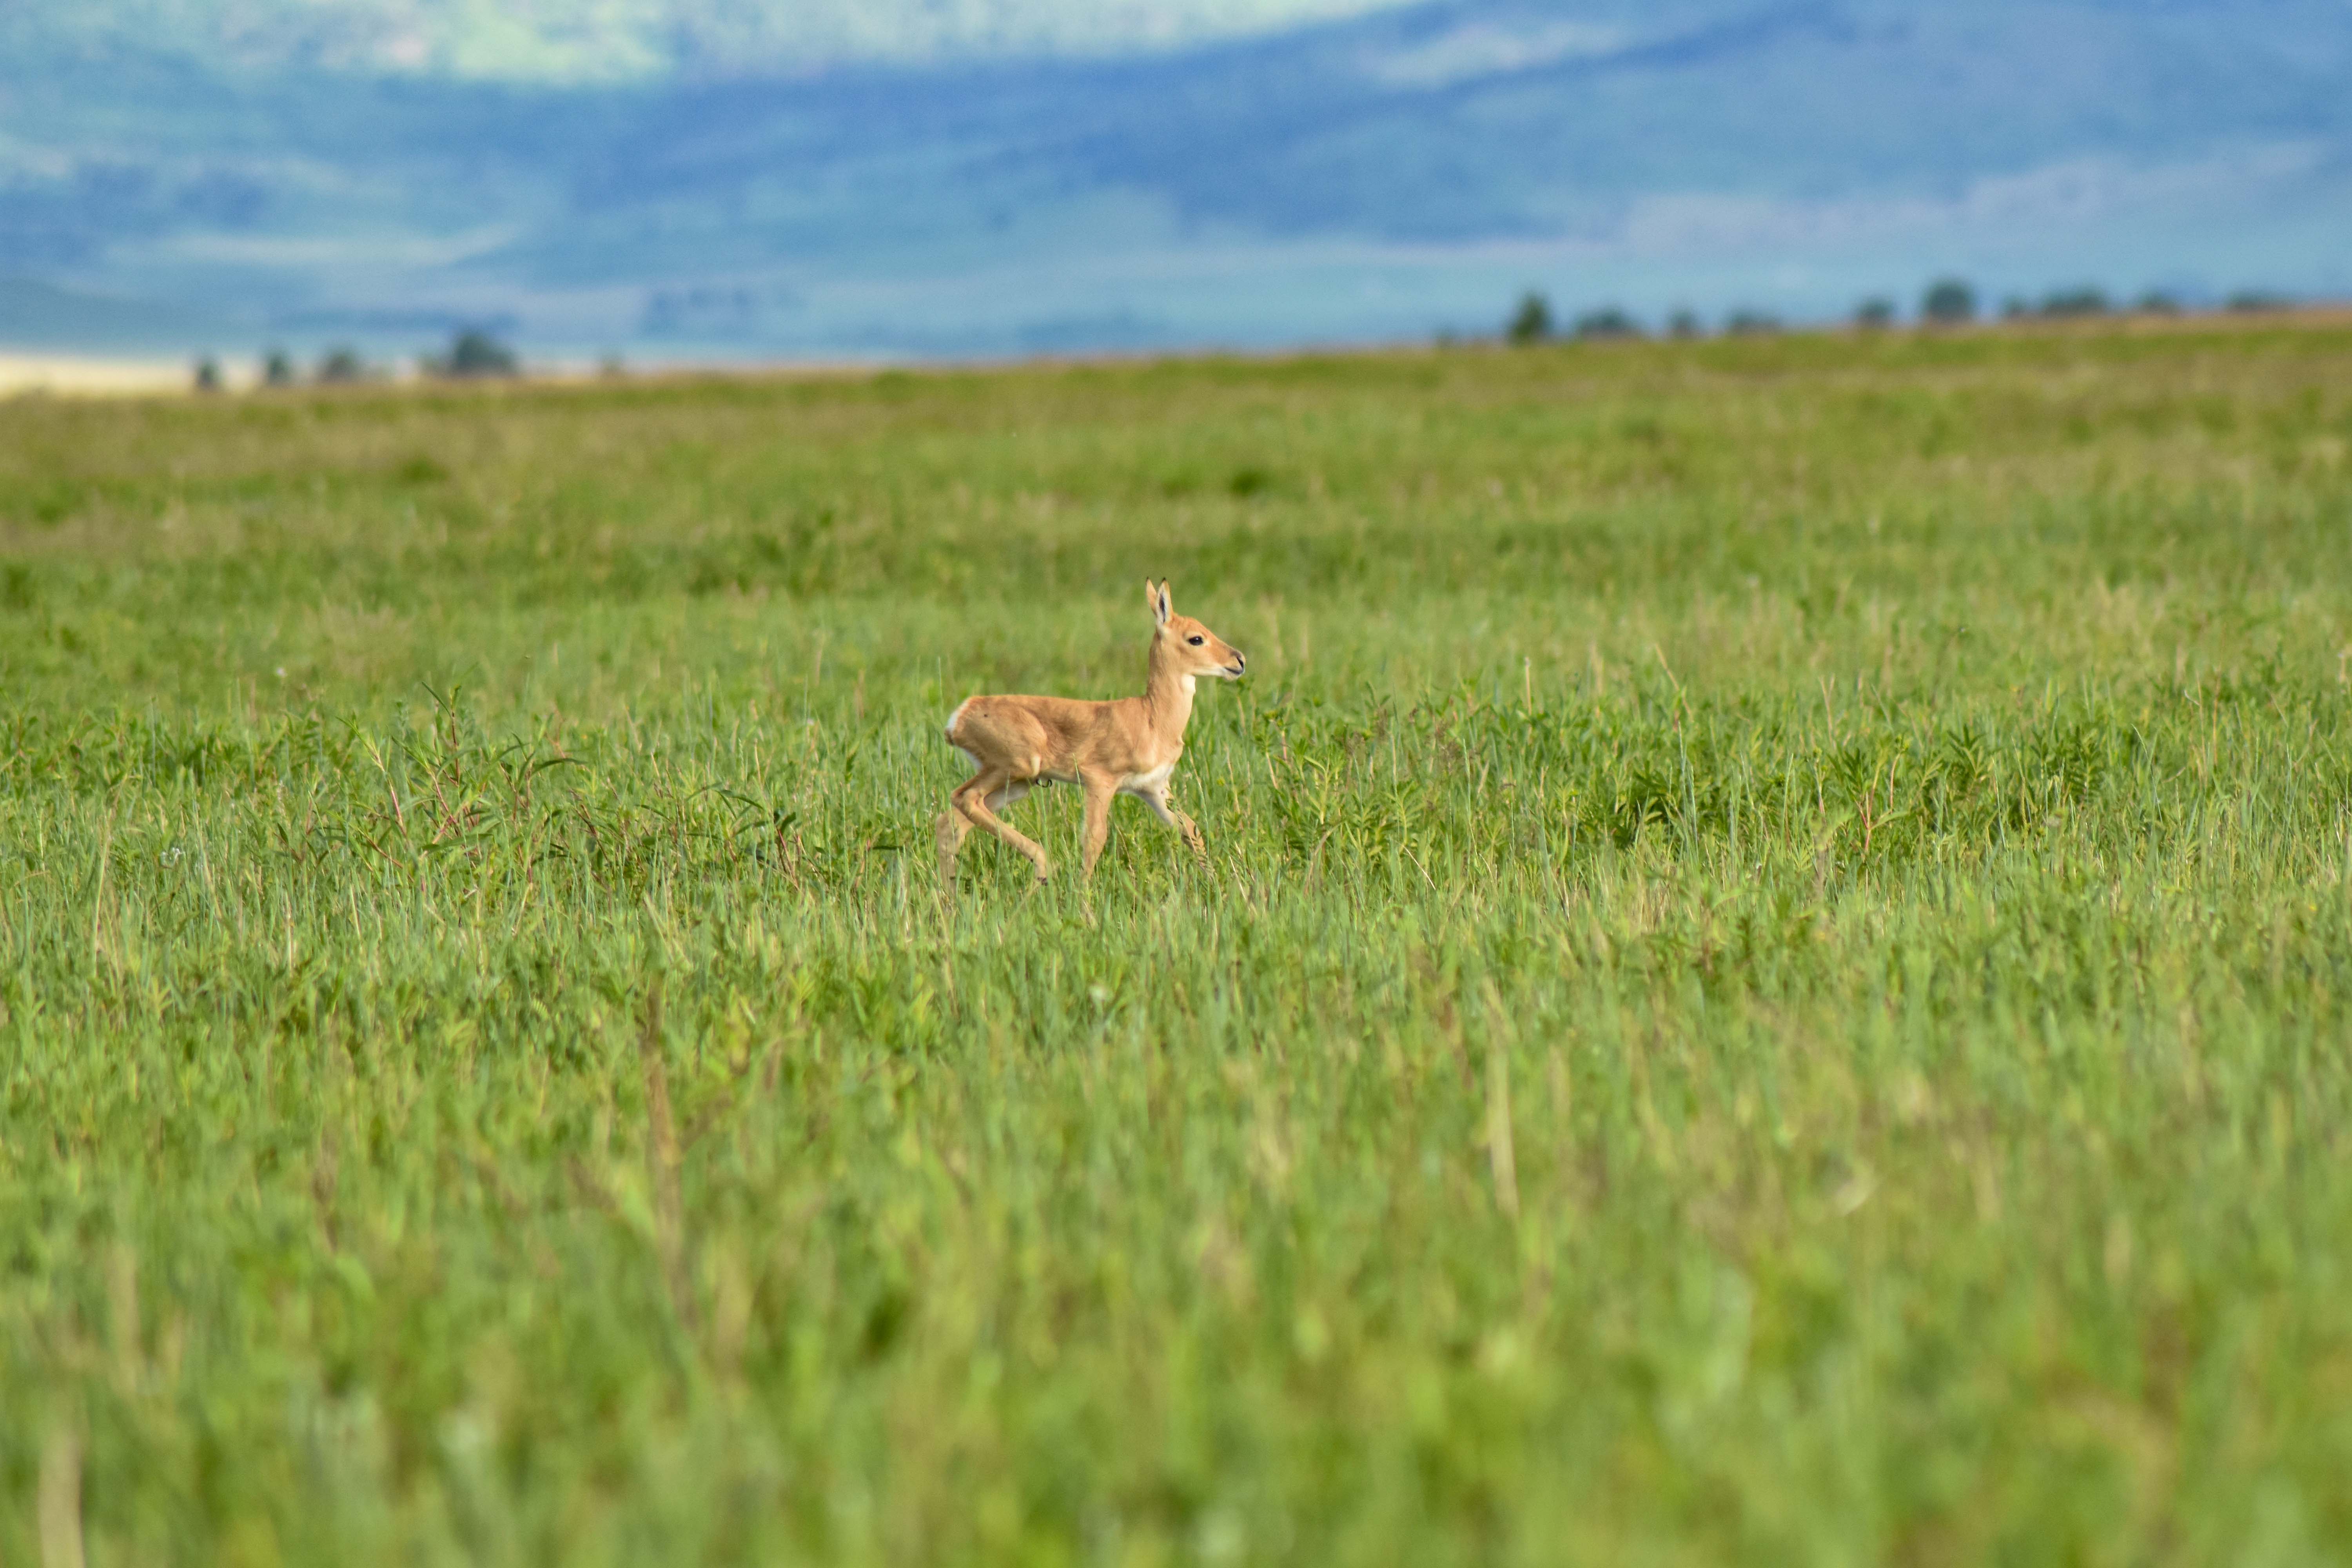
point(1771, 984)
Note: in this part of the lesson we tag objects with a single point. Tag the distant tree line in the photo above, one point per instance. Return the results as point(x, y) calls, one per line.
point(1532, 322)
point(1946, 302)
point(473, 354)
point(1952, 301)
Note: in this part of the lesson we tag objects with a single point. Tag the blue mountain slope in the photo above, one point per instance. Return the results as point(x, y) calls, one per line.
point(1373, 175)
point(1311, 134)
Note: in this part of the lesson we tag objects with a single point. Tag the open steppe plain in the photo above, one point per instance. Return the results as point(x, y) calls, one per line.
point(1773, 980)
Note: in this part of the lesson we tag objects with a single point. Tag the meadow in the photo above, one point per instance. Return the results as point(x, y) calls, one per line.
point(1771, 983)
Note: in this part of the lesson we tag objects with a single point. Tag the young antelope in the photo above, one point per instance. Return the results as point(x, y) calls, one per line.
point(1125, 747)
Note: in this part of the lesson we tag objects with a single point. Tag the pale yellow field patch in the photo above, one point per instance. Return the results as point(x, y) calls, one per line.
point(88, 376)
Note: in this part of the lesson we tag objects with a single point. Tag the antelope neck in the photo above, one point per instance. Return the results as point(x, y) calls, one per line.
point(1167, 695)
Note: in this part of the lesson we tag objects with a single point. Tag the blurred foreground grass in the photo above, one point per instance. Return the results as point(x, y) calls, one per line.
point(1771, 984)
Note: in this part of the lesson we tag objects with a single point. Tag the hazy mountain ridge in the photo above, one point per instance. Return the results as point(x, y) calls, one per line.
point(1417, 159)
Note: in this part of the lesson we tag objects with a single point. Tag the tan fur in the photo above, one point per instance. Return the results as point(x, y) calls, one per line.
point(1128, 746)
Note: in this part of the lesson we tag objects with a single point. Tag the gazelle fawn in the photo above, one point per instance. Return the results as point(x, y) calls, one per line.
point(1125, 747)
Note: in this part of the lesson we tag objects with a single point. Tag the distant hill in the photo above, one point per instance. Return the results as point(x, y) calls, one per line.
point(1383, 173)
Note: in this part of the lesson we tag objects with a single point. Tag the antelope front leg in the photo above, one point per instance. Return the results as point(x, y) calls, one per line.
point(1098, 798)
point(1165, 810)
point(1191, 832)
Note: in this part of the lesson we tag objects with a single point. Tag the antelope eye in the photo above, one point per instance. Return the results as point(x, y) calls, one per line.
point(1196, 642)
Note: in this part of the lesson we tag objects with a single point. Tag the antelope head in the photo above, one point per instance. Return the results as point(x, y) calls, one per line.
point(1183, 646)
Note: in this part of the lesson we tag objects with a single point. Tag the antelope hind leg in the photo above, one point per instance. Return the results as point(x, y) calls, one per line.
point(972, 800)
point(950, 831)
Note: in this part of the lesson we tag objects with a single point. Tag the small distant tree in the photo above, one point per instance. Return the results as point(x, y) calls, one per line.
point(2016, 308)
point(2254, 301)
point(473, 353)
point(2064, 303)
point(276, 369)
point(1874, 314)
point(1531, 322)
point(1684, 323)
point(2156, 302)
point(1751, 324)
point(1607, 323)
point(1948, 303)
point(208, 374)
point(342, 365)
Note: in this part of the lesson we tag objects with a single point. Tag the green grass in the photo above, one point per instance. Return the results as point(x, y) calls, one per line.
point(1771, 985)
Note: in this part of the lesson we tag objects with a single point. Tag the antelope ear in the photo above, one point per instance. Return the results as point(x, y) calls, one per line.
point(1160, 608)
